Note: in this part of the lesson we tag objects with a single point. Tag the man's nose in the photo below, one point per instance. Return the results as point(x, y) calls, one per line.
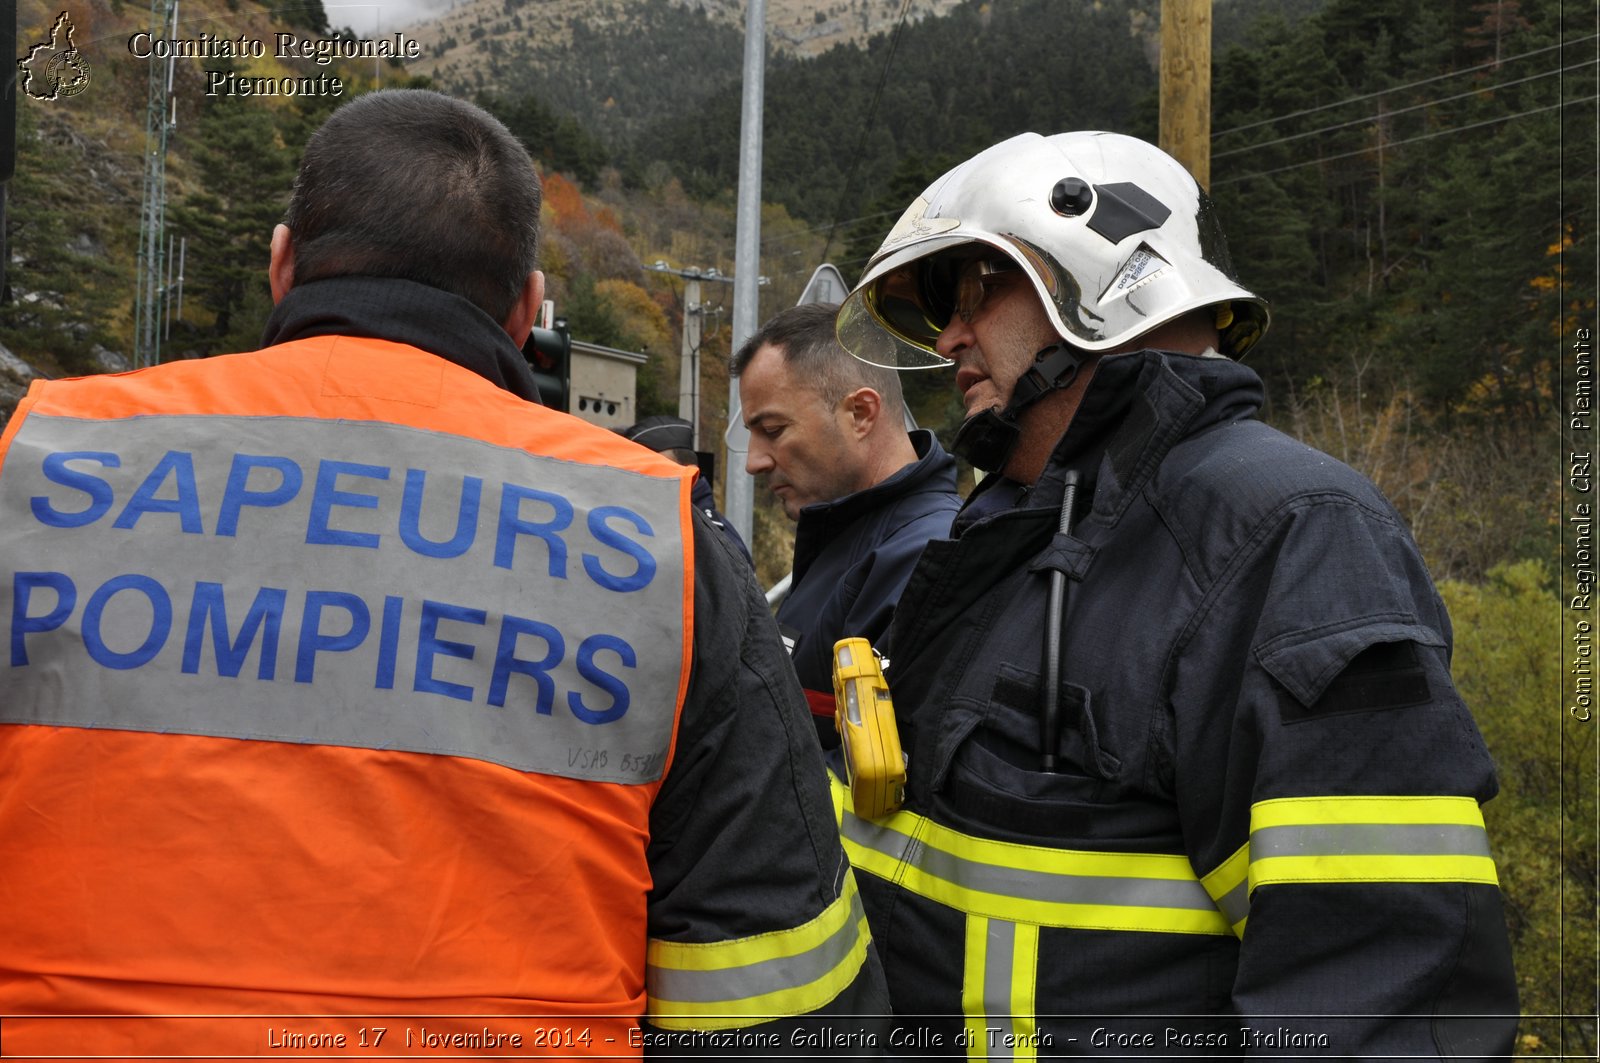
point(756, 459)
point(956, 337)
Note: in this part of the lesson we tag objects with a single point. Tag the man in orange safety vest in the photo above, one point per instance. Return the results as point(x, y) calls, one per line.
point(346, 684)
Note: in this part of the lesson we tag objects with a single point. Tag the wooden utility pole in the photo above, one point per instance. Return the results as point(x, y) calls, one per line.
point(693, 322)
point(689, 362)
point(1186, 85)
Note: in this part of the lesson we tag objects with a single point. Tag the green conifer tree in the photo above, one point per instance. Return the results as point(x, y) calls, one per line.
point(244, 172)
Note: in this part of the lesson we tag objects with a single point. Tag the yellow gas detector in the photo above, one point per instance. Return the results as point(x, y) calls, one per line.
point(875, 767)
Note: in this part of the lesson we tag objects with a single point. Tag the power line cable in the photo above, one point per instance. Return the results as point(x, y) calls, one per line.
point(1409, 140)
point(1365, 119)
point(1408, 85)
point(782, 238)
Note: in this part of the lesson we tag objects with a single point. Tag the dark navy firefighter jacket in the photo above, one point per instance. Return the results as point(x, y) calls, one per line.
point(1264, 836)
point(852, 557)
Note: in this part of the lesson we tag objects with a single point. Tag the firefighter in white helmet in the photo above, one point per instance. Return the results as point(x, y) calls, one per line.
point(1187, 770)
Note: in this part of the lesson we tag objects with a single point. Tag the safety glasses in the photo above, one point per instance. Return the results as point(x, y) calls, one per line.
point(976, 280)
point(919, 301)
point(895, 320)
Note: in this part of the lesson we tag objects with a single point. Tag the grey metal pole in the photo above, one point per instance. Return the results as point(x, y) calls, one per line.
point(739, 490)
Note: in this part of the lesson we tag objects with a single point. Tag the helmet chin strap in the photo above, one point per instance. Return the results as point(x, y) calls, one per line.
point(987, 438)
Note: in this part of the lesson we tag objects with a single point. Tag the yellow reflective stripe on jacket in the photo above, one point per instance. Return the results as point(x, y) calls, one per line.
point(998, 989)
point(1030, 883)
point(1353, 839)
point(1369, 839)
point(724, 984)
point(1229, 886)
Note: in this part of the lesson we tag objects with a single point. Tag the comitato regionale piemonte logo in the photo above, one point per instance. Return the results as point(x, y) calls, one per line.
point(55, 68)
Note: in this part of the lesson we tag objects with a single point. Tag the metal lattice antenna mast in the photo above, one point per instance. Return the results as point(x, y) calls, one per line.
point(151, 290)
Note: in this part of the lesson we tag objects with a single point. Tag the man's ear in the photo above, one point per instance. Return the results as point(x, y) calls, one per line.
point(280, 266)
point(525, 311)
point(864, 406)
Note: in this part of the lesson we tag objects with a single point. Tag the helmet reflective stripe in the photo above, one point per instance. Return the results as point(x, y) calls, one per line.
point(1114, 234)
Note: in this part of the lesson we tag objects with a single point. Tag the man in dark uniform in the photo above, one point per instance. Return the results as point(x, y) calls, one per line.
point(1188, 773)
point(829, 434)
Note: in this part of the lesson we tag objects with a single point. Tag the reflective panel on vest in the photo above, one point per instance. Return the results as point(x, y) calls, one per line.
point(344, 583)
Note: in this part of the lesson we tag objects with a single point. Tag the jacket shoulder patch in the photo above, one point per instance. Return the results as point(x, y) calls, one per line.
point(1387, 675)
point(1369, 664)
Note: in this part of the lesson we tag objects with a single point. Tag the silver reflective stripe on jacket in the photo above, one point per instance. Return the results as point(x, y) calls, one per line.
point(723, 984)
point(1030, 883)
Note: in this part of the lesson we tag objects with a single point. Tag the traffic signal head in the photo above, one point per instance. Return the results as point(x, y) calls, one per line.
point(549, 353)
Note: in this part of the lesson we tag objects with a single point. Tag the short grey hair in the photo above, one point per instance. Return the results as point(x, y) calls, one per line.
point(805, 336)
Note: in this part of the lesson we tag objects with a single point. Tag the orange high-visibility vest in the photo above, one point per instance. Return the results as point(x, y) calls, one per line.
point(338, 682)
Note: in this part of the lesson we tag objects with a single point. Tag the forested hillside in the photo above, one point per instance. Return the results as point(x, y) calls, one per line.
point(74, 203)
point(1412, 185)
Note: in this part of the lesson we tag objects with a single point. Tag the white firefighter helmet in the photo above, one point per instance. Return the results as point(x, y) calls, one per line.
point(1114, 234)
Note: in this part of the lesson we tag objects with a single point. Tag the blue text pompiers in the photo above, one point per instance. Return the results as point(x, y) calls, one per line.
point(344, 582)
point(330, 619)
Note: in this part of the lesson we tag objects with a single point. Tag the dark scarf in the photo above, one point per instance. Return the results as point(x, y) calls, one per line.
point(406, 312)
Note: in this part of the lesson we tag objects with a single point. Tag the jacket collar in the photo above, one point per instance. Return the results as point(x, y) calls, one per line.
point(1136, 409)
point(819, 523)
point(403, 311)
